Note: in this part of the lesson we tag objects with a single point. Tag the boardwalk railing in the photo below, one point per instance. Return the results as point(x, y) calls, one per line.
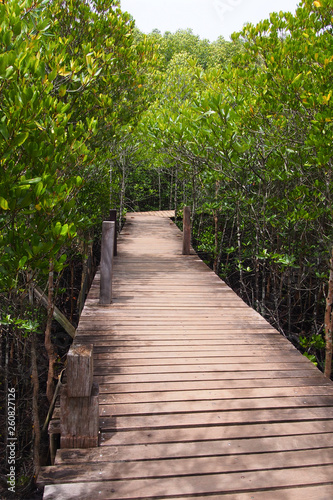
point(79, 412)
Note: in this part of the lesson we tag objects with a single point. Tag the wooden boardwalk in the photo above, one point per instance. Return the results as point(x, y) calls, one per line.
point(199, 396)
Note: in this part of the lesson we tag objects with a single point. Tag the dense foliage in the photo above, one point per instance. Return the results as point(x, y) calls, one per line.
point(71, 76)
point(250, 145)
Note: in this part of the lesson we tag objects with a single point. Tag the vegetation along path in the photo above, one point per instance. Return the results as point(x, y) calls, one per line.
point(199, 396)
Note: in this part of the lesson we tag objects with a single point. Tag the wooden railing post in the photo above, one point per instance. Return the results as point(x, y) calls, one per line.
point(108, 235)
point(113, 218)
point(187, 231)
point(79, 412)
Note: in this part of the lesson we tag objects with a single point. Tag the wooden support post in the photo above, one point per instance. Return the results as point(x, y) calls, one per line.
point(113, 218)
point(108, 234)
point(187, 231)
point(79, 412)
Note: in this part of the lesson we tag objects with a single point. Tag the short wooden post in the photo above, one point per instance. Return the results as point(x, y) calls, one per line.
point(108, 234)
point(187, 231)
point(113, 218)
point(79, 412)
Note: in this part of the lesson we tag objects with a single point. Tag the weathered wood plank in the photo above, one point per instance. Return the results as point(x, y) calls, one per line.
point(138, 469)
point(245, 416)
point(213, 448)
point(194, 368)
point(219, 432)
point(142, 387)
point(290, 394)
point(244, 355)
point(202, 484)
point(218, 405)
point(188, 376)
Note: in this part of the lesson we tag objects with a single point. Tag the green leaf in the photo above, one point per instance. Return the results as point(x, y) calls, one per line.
point(17, 28)
point(62, 90)
point(36, 180)
point(297, 78)
point(57, 229)
point(20, 139)
point(3, 203)
point(39, 188)
point(64, 230)
point(51, 76)
point(4, 131)
point(22, 262)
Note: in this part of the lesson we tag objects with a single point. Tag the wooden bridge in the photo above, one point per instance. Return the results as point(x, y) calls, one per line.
point(199, 396)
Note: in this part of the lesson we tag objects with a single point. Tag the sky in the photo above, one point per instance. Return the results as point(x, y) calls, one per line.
point(207, 18)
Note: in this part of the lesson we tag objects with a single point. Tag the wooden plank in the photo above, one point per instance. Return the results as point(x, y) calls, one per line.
point(189, 485)
point(115, 470)
point(218, 433)
point(238, 377)
point(240, 448)
point(141, 333)
point(207, 385)
point(297, 493)
point(207, 356)
point(218, 405)
point(290, 394)
point(124, 368)
point(162, 358)
point(107, 342)
point(245, 416)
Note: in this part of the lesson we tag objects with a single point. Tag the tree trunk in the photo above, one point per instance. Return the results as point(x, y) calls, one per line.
point(159, 190)
point(35, 415)
point(216, 228)
point(184, 193)
point(48, 342)
point(221, 245)
point(111, 194)
point(171, 188)
point(329, 322)
point(176, 193)
point(194, 196)
point(239, 246)
point(72, 292)
point(216, 245)
point(123, 189)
